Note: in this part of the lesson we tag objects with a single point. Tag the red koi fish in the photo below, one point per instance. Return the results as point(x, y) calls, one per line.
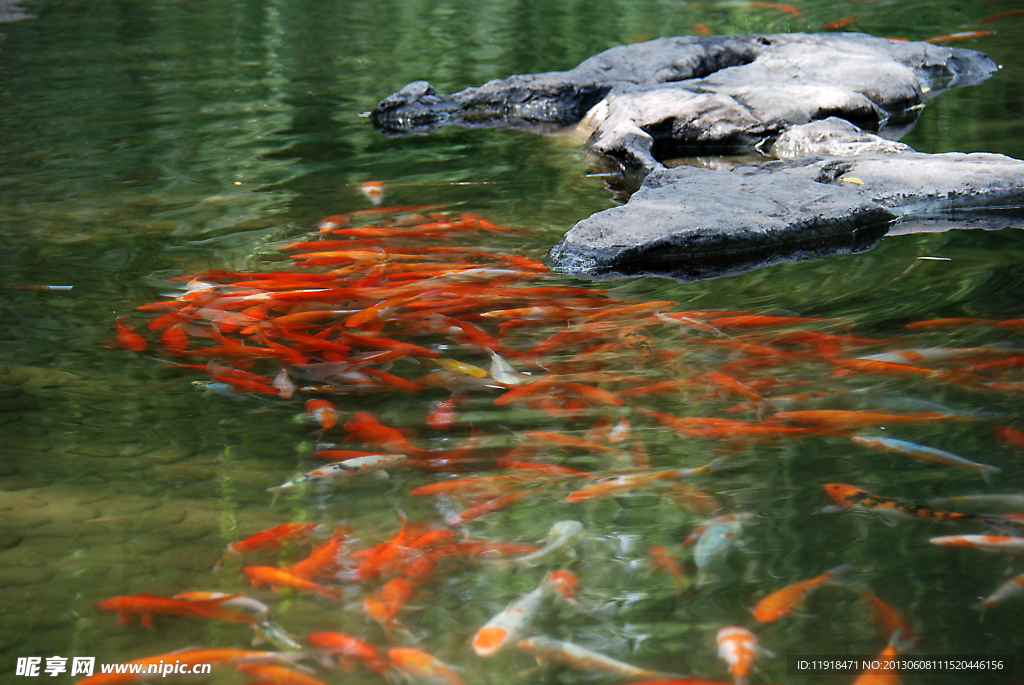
point(324, 559)
point(279, 578)
point(1011, 436)
point(485, 508)
point(383, 606)
point(128, 338)
point(842, 419)
point(888, 621)
point(784, 602)
point(346, 647)
point(145, 605)
point(787, 9)
point(387, 438)
point(840, 23)
point(271, 540)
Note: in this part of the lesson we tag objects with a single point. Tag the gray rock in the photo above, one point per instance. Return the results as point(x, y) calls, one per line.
point(829, 107)
point(639, 101)
point(690, 223)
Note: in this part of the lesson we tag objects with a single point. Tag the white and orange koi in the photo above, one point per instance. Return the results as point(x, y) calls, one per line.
point(988, 543)
point(739, 649)
point(341, 470)
point(549, 650)
point(511, 622)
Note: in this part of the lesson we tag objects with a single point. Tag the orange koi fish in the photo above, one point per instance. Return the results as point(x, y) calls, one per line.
point(738, 648)
point(883, 676)
point(560, 440)
point(145, 605)
point(485, 508)
point(761, 321)
point(174, 338)
point(663, 560)
point(279, 578)
point(550, 650)
point(324, 412)
point(787, 9)
point(933, 323)
point(888, 621)
point(258, 610)
point(271, 539)
point(463, 486)
point(963, 35)
point(347, 647)
point(422, 666)
point(784, 602)
point(840, 23)
point(324, 559)
point(128, 338)
point(1000, 15)
point(1010, 436)
point(842, 419)
point(617, 484)
point(383, 606)
point(385, 437)
point(279, 675)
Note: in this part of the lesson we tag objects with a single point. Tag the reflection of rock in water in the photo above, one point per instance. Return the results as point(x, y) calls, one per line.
point(11, 10)
point(827, 107)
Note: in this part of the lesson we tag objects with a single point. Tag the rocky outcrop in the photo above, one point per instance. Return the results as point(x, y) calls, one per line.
point(689, 223)
point(825, 110)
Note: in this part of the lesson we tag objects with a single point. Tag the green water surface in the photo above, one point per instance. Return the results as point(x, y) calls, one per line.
point(141, 140)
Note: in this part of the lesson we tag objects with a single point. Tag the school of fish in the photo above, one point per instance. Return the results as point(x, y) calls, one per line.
point(538, 395)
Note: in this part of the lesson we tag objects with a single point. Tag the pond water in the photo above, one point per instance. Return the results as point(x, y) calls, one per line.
point(140, 141)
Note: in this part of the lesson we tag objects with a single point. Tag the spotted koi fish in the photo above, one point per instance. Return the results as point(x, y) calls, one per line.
point(851, 497)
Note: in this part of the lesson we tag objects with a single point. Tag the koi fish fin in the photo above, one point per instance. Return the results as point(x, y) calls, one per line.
point(147, 620)
point(124, 618)
point(988, 472)
point(379, 475)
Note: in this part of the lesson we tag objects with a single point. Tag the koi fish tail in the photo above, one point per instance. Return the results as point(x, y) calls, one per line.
point(229, 553)
point(1004, 524)
point(838, 575)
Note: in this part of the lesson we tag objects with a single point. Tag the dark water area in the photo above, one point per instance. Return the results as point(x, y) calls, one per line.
point(144, 140)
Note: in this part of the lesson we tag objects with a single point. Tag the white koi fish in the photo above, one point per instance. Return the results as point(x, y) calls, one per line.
point(561, 535)
point(923, 453)
point(1005, 591)
point(340, 470)
point(511, 622)
point(284, 384)
point(549, 650)
point(503, 372)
